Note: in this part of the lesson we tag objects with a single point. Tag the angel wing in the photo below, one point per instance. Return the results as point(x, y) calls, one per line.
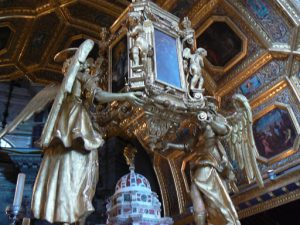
point(36, 104)
point(241, 139)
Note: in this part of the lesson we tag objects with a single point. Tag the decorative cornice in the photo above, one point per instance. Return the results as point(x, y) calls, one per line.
point(290, 11)
point(200, 10)
point(245, 15)
point(275, 202)
point(166, 4)
point(244, 74)
point(269, 93)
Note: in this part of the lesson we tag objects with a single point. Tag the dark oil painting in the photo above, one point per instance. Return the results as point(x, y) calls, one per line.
point(274, 133)
point(5, 33)
point(220, 42)
point(119, 70)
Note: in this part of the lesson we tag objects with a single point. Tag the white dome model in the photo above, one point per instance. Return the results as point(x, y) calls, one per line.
point(134, 203)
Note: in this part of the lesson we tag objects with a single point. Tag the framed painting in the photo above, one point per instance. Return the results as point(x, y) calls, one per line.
point(224, 42)
point(222, 49)
point(168, 62)
point(276, 133)
point(250, 86)
point(118, 55)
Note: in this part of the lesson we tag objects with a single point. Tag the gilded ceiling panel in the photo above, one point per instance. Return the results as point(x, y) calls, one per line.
point(39, 39)
point(51, 32)
point(253, 45)
point(42, 76)
point(88, 13)
point(67, 36)
point(9, 31)
point(29, 4)
point(6, 33)
point(120, 3)
point(5, 71)
point(272, 20)
point(220, 42)
point(266, 77)
point(182, 7)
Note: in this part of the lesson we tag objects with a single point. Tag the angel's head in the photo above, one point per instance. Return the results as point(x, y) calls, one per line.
point(133, 19)
point(201, 51)
point(88, 66)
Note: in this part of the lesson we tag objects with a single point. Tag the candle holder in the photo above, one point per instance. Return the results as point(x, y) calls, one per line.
point(15, 213)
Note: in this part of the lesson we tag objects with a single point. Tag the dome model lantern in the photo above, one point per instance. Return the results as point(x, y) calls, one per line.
point(133, 201)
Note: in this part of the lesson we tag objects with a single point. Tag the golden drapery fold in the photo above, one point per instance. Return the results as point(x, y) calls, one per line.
point(218, 204)
point(65, 185)
point(74, 127)
point(68, 175)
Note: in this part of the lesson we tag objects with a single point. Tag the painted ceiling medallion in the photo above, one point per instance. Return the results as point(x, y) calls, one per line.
point(226, 45)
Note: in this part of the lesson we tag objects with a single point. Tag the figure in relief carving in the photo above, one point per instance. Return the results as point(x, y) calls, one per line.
point(67, 178)
point(212, 174)
point(140, 46)
point(193, 66)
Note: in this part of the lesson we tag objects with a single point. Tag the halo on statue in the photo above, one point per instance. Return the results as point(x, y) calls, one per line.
point(64, 54)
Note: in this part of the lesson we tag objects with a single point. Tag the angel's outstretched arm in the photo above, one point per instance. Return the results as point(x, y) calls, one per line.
point(104, 97)
point(177, 146)
point(168, 145)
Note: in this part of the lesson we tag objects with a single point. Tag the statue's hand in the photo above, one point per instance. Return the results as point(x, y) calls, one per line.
point(162, 146)
point(223, 166)
point(231, 176)
point(134, 98)
point(225, 161)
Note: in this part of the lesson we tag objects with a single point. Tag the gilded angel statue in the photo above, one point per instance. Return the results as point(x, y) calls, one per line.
point(193, 64)
point(212, 173)
point(67, 178)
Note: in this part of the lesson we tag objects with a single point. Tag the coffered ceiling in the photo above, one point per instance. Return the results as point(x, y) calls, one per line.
point(33, 31)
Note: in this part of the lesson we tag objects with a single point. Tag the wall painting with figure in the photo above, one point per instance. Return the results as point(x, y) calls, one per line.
point(119, 64)
point(274, 132)
point(250, 86)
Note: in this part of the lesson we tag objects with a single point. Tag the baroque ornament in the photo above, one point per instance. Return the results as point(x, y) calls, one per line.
point(155, 83)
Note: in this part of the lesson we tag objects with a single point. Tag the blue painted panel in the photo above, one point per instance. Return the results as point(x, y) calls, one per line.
point(167, 65)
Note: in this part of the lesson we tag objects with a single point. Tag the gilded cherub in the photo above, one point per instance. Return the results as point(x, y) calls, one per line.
point(193, 66)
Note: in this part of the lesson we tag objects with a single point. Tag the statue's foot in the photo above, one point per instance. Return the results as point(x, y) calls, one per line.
point(200, 219)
